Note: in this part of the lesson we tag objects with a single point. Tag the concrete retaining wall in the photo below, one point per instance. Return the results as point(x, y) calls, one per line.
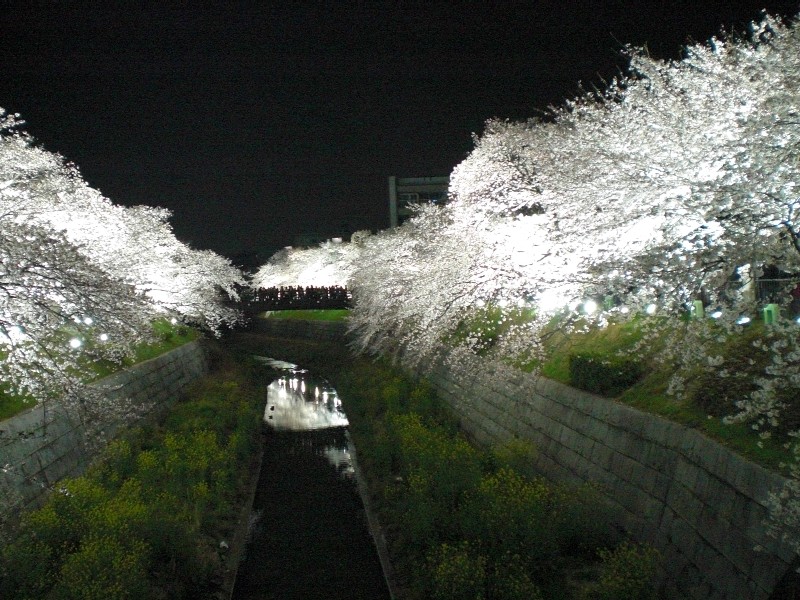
point(45, 444)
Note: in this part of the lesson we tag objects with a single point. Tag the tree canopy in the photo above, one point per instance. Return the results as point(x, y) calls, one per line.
point(82, 278)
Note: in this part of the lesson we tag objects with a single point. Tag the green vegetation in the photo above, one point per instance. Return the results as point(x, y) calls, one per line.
point(483, 327)
point(469, 523)
point(12, 404)
point(640, 380)
point(321, 314)
point(601, 360)
point(147, 520)
point(167, 337)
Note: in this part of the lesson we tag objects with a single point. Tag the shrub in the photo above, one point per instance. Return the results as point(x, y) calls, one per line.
point(29, 570)
point(457, 573)
point(105, 568)
point(516, 454)
point(509, 515)
point(603, 374)
point(628, 572)
point(139, 523)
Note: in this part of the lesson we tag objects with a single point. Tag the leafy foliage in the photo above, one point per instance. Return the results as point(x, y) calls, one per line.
point(465, 522)
point(145, 521)
point(602, 374)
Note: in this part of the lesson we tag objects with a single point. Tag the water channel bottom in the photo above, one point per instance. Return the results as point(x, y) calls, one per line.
point(309, 538)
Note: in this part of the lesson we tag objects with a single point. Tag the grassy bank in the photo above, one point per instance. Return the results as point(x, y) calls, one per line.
point(602, 360)
point(166, 337)
point(466, 522)
point(150, 518)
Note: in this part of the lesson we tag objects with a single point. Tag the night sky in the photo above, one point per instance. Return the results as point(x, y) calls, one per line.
point(258, 121)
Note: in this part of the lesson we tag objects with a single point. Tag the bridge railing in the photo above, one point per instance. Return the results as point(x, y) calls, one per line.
point(297, 298)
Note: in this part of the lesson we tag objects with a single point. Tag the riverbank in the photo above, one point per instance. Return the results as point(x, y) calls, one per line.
point(158, 515)
point(419, 553)
point(328, 359)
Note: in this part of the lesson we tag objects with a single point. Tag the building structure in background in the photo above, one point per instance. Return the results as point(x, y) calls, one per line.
point(407, 191)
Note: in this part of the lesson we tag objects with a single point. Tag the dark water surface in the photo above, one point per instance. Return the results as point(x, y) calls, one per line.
point(309, 538)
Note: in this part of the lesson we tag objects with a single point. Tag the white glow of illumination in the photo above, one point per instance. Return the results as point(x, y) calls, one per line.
point(589, 307)
point(303, 386)
point(743, 320)
point(103, 337)
point(624, 310)
point(550, 301)
point(173, 320)
point(75, 343)
point(650, 309)
point(716, 314)
point(316, 392)
point(88, 320)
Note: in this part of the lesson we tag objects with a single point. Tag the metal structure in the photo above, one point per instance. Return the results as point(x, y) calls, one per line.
point(404, 192)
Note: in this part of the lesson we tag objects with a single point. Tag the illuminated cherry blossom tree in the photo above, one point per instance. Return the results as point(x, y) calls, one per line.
point(677, 183)
point(655, 191)
point(83, 279)
point(135, 245)
point(328, 264)
point(58, 312)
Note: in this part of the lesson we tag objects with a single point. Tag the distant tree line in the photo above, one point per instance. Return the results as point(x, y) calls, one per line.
point(299, 297)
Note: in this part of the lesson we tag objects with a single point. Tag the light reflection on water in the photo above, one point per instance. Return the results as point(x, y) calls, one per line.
point(298, 402)
point(308, 538)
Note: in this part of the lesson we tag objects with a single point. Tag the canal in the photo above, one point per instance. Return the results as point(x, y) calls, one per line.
point(309, 537)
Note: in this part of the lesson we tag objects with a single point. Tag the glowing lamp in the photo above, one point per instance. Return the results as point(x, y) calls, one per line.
point(75, 343)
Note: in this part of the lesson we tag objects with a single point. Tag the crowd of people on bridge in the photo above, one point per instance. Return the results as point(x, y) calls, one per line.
point(298, 297)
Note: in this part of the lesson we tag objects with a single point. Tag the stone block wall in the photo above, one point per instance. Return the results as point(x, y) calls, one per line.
point(325, 331)
point(45, 444)
point(700, 504)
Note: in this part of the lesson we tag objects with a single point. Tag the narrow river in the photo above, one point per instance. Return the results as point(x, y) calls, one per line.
point(309, 537)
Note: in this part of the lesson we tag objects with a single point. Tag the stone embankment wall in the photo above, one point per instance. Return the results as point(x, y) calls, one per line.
point(321, 331)
point(700, 504)
point(43, 445)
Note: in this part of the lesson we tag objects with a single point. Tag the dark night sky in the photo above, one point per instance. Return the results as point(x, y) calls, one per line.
point(257, 121)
